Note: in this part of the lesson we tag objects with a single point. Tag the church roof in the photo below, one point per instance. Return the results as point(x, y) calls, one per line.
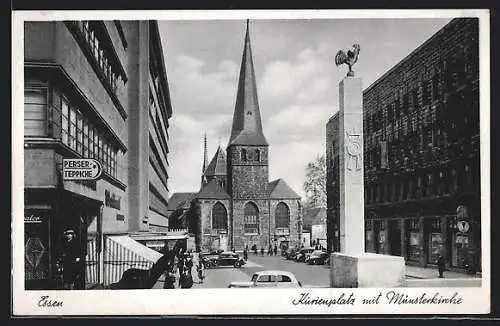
point(217, 165)
point(247, 125)
point(179, 199)
point(279, 189)
point(213, 190)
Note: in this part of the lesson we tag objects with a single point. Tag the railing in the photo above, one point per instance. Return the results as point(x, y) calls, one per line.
point(91, 264)
point(177, 231)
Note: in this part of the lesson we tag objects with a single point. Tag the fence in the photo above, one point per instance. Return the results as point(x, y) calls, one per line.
point(91, 264)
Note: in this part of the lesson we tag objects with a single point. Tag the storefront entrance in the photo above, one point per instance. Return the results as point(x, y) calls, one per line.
point(395, 237)
point(37, 234)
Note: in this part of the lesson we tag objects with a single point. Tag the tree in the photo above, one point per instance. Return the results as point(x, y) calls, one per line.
point(315, 183)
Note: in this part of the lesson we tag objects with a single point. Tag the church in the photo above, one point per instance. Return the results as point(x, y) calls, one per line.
point(237, 206)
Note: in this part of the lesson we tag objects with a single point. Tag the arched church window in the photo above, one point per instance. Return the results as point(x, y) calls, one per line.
point(251, 219)
point(282, 216)
point(257, 155)
point(244, 155)
point(219, 217)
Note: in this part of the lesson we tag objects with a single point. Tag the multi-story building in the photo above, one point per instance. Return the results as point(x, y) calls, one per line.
point(421, 154)
point(93, 89)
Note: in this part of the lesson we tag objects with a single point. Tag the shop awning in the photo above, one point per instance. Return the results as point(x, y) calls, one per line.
point(130, 244)
point(153, 237)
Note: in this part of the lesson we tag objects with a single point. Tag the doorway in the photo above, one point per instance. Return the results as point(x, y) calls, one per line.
point(395, 237)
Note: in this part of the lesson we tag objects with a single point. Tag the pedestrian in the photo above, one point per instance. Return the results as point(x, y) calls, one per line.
point(270, 250)
point(71, 260)
point(201, 271)
point(441, 266)
point(194, 267)
point(254, 248)
point(245, 254)
point(262, 251)
point(275, 250)
point(233, 250)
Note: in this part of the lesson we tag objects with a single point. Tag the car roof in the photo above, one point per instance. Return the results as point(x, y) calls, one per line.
point(275, 272)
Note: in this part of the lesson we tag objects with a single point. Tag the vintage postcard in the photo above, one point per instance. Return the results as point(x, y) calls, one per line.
point(251, 162)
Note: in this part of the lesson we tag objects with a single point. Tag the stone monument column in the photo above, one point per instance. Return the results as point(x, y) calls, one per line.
point(352, 266)
point(352, 216)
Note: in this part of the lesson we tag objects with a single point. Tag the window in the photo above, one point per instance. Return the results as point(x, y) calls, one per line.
point(100, 54)
point(244, 155)
point(81, 136)
point(283, 278)
point(257, 155)
point(266, 279)
point(282, 216)
point(219, 217)
point(251, 219)
point(35, 108)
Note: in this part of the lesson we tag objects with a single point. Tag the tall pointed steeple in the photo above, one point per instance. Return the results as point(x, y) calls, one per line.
point(205, 160)
point(247, 125)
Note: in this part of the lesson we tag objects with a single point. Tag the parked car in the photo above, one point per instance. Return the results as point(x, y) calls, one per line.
point(301, 256)
point(228, 258)
point(290, 253)
point(269, 279)
point(317, 257)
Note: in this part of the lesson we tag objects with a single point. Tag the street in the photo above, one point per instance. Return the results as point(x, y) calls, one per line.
point(317, 275)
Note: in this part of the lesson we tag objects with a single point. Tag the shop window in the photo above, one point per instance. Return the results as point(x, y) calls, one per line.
point(413, 245)
point(251, 219)
point(219, 217)
point(244, 155)
point(434, 240)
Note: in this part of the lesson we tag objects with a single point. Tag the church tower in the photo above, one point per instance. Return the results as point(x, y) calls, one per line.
point(247, 162)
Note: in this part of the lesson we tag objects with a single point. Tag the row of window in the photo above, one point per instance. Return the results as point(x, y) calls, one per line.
point(77, 132)
point(80, 135)
point(100, 54)
point(431, 184)
point(454, 75)
point(250, 218)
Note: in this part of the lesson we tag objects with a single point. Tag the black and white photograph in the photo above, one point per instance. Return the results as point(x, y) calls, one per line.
point(338, 162)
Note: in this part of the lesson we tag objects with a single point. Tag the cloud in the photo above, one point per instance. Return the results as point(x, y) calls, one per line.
point(307, 77)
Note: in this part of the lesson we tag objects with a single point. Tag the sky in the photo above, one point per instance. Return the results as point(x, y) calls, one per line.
point(297, 83)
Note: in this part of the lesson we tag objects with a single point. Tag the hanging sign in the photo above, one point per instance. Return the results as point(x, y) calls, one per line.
point(463, 226)
point(81, 169)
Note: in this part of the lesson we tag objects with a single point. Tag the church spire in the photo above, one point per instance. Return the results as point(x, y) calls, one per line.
point(247, 125)
point(205, 159)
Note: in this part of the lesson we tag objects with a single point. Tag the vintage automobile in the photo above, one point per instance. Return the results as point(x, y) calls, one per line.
point(303, 253)
point(290, 253)
point(317, 257)
point(269, 279)
point(227, 258)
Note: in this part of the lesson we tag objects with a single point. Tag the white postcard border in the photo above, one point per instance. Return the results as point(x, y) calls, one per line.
point(238, 301)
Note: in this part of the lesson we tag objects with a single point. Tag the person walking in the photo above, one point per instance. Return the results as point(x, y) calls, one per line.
point(441, 266)
point(71, 260)
point(262, 251)
point(275, 250)
point(245, 254)
point(194, 267)
point(201, 271)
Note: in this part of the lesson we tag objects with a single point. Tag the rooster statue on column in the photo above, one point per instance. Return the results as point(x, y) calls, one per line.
point(350, 58)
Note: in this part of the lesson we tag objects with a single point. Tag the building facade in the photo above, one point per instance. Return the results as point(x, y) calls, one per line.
point(87, 95)
point(421, 154)
point(237, 206)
